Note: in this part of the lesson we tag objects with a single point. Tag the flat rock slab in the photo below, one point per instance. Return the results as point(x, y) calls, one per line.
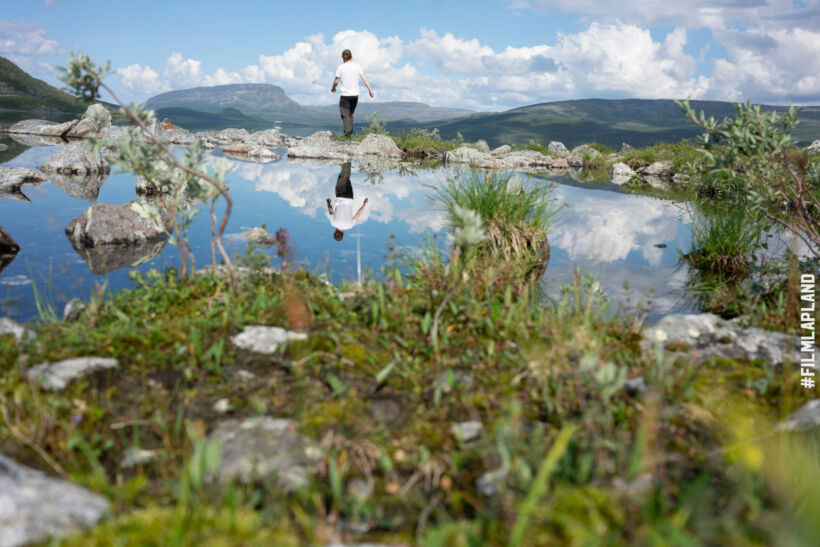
point(42, 127)
point(34, 506)
point(706, 335)
point(57, 376)
point(806, 418)
point(261, 339)
point(20, 332)
point(264, 447)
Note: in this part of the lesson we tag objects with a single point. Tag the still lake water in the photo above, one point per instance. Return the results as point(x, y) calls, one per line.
point(629, 242)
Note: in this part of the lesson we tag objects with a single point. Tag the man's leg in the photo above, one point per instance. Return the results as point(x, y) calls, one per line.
point(354, 100)
point(347, 115)
point(344, 188)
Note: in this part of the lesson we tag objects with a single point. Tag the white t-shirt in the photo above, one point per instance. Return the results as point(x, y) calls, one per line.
point(348, 74)
point(342, 217)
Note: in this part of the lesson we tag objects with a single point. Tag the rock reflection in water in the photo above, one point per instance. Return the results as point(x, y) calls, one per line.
point(105, 259)
point(5, 260)
point(79, 187)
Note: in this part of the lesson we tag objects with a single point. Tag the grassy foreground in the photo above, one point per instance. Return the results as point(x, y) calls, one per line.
point(459, 334)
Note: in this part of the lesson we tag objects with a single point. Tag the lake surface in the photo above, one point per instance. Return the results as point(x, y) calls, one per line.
point(629, 242)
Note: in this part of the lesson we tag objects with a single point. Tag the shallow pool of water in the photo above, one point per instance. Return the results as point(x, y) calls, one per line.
point(629, 242)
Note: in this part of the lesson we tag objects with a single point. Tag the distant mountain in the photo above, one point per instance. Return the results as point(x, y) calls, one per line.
point(272, 103)
point(196, 120)
point(19, 91)
point(639, 122)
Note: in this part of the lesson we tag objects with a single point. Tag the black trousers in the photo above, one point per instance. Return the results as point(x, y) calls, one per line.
point(344, 188)
point(347, 105)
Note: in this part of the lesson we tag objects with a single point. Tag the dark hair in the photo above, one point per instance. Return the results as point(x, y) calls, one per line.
point(338, 235)
point(346, 55)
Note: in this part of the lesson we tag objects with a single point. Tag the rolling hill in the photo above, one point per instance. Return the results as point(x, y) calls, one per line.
point(270, 102)
point(639, 122)
point(21, 92)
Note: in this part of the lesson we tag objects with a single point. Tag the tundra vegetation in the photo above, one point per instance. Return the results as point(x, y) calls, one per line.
point(567, 451)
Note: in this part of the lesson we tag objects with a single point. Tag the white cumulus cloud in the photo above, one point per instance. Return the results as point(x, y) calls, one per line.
point(139, 79)
point(25, 44)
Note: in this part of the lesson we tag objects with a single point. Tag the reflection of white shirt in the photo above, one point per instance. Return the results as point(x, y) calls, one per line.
point(342, 216)
point(348, 74)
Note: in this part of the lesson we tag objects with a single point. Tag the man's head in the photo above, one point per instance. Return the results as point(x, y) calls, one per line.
point(346, 55)
point(338, 235)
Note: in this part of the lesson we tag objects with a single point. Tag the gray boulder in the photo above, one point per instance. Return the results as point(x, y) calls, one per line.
point(659, 169)
point(259, 236)
point(177, 135)
point(42, 127)
point(814, 147)
point(35, 506)
point(229, 136)
point(474, 158)
point(315, 151)
point(92, 124)
point(501, 150)
point(378, 145)
point(57, 376)
point(76, 158)
point(266, 340)
point(558, 149)
point(620, 173)
point(482, 145)
point(128, 223)
point(576, 157)
point(706, 335)
point(806, 418)
point(264, 447)
point(625, 148)
point(269, 138)
point(527, 160)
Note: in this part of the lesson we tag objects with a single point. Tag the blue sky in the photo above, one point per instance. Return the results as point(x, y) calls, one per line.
point(484, 54)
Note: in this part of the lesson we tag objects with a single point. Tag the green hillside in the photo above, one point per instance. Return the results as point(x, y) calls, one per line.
point(19, 91)
point(636, 121)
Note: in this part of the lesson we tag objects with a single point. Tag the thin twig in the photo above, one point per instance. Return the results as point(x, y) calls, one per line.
point(42, 453)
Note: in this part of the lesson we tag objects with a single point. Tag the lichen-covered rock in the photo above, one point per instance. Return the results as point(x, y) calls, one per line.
point(527, 160)
point(501, 150)
point(263, 339)
point(580, 153)
point(57, 376)
point(706, 335)
point(34, 506)
point(92, 124)
point(122, 224)
point(313, 151)
point(378, 145)
point(558, 149)
point(659, 169)
point(814, 147)
point(625, 148)
point(76, 158)
point(177, 135)
point(620, 173)
point(259, 236)
point(260, 448)
point(475, 158)
point(269, 138)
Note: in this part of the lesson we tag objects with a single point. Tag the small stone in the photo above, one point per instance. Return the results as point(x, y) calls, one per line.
point(466, 431)
point(245, 375)
point(222, 406)
point(56, 376)
point(136, 456)
point(806, 418)
point(20, 332)
point(262, 339)
point(491, 482)
point(635, 386)
point(73, 309)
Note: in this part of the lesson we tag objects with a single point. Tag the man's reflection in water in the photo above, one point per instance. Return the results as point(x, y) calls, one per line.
point(341, 212)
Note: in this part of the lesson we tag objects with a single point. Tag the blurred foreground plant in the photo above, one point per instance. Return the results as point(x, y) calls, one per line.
point(145, 154)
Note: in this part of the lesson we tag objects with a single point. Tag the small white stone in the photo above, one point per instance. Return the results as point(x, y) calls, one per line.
point(261, 339)
point(222, 406)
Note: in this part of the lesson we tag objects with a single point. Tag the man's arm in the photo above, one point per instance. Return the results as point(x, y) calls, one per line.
point(364, 79)
point(329, 208)
point(335, 83)
point(359, 212)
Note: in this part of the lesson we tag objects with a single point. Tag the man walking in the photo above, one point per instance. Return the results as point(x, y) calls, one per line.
point(347, 74)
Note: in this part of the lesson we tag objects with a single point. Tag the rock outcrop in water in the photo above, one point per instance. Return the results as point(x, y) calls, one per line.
point(507, 160)
point(130, 223)
point(78, 159)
